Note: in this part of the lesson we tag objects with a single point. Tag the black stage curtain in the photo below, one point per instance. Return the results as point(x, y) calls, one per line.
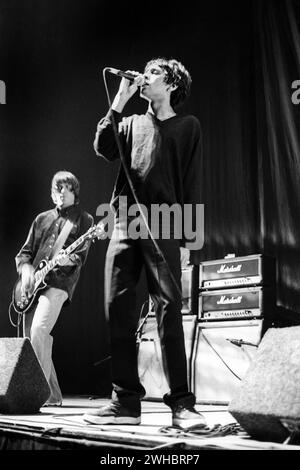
point(278, 141)
point(229, 183)
point(251, 159)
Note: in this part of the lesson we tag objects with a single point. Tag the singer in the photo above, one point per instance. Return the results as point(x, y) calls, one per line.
point(162, 151)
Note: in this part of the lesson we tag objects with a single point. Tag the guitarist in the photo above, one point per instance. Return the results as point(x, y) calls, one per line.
point(50, 232)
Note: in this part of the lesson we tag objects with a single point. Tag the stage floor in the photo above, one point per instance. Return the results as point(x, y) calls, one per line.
point(63, 428)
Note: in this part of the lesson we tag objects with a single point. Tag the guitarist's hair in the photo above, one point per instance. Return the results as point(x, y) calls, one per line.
point(67, 177)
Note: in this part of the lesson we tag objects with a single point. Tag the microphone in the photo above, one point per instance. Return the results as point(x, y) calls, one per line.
point(120, 73)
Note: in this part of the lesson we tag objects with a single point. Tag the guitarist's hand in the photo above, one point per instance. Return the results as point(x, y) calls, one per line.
point(27, 279)
point(63, 260)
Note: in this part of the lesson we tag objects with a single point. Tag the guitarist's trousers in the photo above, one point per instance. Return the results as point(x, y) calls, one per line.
point(38, 324)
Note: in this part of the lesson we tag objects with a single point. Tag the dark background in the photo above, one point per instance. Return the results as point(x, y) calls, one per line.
point(243, 57)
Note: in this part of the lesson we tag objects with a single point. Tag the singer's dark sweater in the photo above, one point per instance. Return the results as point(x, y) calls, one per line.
point(163, 157)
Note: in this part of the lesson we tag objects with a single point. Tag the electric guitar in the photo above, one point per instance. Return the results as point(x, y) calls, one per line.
point(22, 302)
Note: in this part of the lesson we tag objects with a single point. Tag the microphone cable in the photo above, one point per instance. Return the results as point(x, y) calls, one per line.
point(122, 158)
point(219, 356)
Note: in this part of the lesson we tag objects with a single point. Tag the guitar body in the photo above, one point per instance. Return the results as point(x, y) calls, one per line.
point(22, 304)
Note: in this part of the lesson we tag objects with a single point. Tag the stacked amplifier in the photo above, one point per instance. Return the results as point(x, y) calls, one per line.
point(236, 305)
point(237, 288)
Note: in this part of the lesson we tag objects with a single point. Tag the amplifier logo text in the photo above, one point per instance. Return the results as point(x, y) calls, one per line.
point(2, 92)
point(229, 269)
point(229, 300)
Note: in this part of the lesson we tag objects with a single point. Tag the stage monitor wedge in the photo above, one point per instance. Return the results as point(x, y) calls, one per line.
point(23, 385)
point(267, 403)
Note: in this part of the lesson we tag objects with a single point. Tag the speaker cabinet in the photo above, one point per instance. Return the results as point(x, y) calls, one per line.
point(23, 385)
point(150, 366)
point(267, 403)
point(221, 356)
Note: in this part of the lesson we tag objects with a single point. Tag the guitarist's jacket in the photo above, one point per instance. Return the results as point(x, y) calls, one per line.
point(41, 239)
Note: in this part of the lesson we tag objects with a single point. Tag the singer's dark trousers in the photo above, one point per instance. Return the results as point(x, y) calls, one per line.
point(124, 262)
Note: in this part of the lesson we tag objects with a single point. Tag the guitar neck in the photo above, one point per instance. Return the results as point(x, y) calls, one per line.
point(75, 244)
point(41, 274)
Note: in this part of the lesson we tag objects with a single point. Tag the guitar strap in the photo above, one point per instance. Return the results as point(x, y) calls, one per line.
point(61, 239)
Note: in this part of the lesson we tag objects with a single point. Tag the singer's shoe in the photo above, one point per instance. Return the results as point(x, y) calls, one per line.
point(56, 403)
point(187, 417)
point(114, 413)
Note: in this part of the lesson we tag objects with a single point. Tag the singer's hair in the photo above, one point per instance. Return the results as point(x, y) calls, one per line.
point(66, 177)
point(176, 74)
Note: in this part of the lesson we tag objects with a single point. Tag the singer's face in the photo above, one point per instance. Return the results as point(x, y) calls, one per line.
point(154, 86)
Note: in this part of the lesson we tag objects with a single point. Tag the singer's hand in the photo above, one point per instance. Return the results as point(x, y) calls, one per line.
point(184, 257)
point(127, 87)
point(126, 90)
